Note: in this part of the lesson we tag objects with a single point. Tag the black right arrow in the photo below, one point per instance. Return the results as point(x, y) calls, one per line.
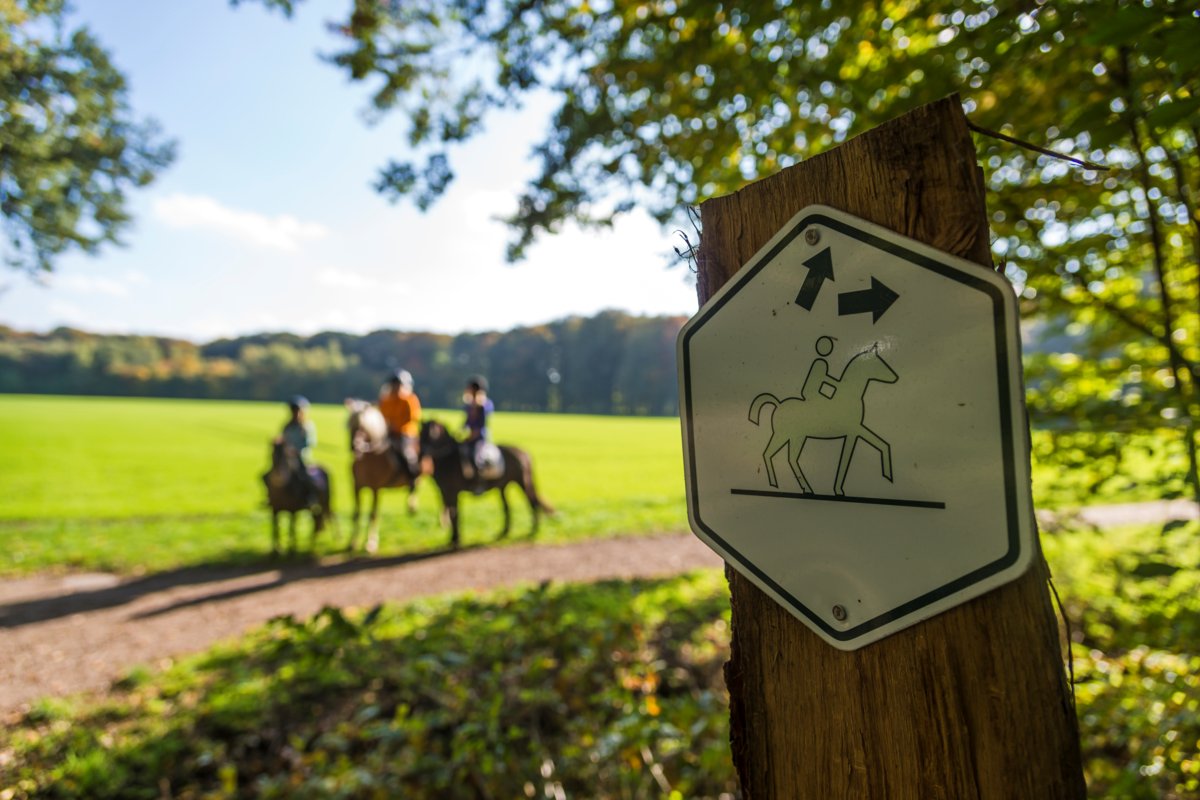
point(820, 268)
point(877, 299)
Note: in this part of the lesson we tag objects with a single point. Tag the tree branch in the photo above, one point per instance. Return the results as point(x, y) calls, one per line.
point(1141, 326)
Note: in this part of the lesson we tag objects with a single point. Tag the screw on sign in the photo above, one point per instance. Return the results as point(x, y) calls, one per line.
point(853, 427)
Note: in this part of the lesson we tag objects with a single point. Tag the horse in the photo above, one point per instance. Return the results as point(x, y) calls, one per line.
point(373, 467)
point(443, 452)
point(795, 420)
point(287, 493)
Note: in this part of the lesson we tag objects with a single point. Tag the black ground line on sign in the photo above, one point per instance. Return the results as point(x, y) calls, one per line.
point(877, 501)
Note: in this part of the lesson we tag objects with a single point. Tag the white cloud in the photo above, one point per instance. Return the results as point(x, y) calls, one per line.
point(66, 313)
point(88, 284)
point(280, 232)
point(340, 278)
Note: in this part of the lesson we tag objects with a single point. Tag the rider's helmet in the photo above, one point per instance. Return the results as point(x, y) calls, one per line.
point(298, 402)
point(477, 383)
point(401, 377)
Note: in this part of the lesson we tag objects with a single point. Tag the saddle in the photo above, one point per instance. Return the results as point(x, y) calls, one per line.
point(318, 478)
point(487, 465)
point(489, 461)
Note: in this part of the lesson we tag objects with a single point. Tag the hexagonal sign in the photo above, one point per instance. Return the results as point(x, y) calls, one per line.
point(853, 427)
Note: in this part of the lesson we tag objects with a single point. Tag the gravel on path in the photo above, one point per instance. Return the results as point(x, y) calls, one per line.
point(76, 633)
point(65, 634)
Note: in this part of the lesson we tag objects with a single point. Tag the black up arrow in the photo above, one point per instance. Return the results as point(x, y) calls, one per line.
point(877, 300)
point(820, 267)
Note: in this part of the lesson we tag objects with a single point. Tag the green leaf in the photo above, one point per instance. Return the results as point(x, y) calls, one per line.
point(1127, 25)
point(1167, 115)
point(1154, 569)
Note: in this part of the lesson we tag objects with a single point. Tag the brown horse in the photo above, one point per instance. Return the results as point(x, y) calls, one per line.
point(374, 468)
point(287, 493)
point(443, 451)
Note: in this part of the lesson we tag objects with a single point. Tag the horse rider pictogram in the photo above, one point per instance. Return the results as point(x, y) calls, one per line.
point(828, 408)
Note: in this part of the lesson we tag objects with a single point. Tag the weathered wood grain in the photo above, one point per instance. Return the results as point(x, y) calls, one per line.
point(970, 704)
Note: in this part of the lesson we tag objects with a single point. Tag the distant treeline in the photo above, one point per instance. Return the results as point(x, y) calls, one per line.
point(612, 363)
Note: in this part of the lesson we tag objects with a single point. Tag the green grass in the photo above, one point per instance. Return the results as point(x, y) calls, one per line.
point(133, 485)
point(136, 485)
point(605, 690)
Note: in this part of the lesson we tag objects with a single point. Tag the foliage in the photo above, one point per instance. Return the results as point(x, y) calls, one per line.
point(662, 104)
point(70, 148)
point(608, 363)
point(1133, 595)
point(1085, 468)
point(612, 690)
point(132, 485)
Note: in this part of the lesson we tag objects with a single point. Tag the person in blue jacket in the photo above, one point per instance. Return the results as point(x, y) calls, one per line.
point(478, 407)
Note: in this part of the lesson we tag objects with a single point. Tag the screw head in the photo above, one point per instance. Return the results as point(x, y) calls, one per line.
point(839, 613)
point(812, 236)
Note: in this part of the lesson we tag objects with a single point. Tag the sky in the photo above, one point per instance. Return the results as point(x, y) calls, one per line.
point(266, 221)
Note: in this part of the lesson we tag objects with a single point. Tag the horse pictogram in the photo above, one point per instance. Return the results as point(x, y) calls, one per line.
point(829, 409)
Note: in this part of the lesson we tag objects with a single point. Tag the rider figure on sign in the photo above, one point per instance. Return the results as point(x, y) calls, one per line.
point(819, 383)
point(402, 410)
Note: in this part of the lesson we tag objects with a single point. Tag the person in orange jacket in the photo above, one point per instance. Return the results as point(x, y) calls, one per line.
point(402, 410)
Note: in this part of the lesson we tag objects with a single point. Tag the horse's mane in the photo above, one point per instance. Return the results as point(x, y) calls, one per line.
point(366, 422)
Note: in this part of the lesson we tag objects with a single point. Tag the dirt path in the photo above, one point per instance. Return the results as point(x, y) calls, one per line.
point(66, 634)
point(60, 635)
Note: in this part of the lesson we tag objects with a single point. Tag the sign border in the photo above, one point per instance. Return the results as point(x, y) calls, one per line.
point(823, 215)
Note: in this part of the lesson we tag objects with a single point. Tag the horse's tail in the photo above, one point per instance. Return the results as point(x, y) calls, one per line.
point(527, 484)
point(535, 498)
point(764, 399)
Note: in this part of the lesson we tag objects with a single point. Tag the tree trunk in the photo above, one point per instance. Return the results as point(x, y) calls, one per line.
point(970, 704)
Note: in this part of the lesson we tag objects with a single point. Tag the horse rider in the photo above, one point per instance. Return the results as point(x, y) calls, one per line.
point(300, 434)
point(478, 407)
point(818, 382)
point(402, 410)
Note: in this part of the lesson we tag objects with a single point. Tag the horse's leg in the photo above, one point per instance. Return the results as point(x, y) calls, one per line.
point(450, 513)
point(274, 531)
point(773, 448)
point(794, 463)
point(535, 502)
point(291, 532)
point(507, 515)
point(885, 449)
point(373, 525)
point(849, 442)
point(519, 470)
point(412, 498)
point(354, 521)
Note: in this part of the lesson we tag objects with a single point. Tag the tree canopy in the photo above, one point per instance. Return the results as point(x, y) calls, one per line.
point(662, 103)
point(70, 148)
point(609, 363)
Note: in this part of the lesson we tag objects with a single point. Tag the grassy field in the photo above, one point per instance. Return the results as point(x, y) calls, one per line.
point(134, 485)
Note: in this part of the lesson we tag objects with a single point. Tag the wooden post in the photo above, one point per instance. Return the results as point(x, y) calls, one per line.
point(970, 704)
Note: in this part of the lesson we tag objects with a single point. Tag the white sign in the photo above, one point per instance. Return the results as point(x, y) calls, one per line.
point(854, 429)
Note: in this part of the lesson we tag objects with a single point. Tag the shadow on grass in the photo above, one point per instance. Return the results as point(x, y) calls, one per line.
point(286, 570)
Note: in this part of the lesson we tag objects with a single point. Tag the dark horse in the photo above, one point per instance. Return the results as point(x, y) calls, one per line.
point(286, 493)
point(441, 450)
